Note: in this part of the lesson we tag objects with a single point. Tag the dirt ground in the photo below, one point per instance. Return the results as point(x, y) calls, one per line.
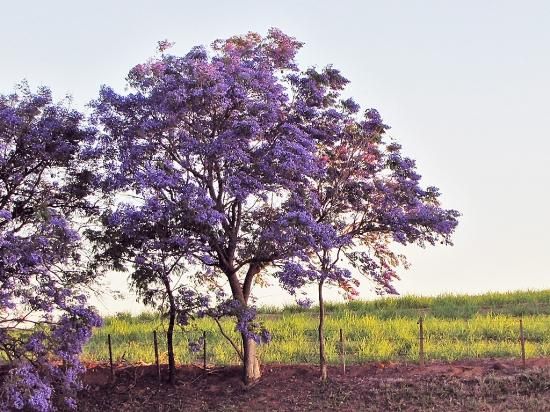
point(476, 385)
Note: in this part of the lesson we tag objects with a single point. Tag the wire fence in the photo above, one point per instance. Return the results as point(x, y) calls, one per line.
point(209, 348)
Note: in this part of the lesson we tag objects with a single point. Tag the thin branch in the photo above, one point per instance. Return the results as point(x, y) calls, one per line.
point(239, 353)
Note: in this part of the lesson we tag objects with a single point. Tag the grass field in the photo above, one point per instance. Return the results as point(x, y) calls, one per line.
point(456, 327)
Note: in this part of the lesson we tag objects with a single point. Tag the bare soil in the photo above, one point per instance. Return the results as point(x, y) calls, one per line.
point(474, 385)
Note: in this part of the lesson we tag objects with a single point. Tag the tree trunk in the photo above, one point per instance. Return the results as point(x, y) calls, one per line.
point(170, 331)
point(241, 293)
point(170, 345)
point(251, 364)
point(322, 358)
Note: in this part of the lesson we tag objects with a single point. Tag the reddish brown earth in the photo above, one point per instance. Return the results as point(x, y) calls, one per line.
point(476, 385)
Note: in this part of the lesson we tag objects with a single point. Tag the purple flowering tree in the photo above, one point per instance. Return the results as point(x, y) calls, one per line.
point(44, 318)
point(218, 135)
point(267, 168)
point(369, 194)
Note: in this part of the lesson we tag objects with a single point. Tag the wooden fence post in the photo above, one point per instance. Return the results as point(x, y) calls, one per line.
point(522, 342)
point(155, 343)
point(204, 350)
point(342, 351)
point(421, 342)
point(110, 357)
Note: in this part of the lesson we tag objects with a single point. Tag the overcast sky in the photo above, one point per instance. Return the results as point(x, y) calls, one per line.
point(465, 86)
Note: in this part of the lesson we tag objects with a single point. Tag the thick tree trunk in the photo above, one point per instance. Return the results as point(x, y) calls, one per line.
point(322, 358)
point(251, 364)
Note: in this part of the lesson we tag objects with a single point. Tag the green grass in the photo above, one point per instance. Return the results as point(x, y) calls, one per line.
point(456, 327)
point(449, 306)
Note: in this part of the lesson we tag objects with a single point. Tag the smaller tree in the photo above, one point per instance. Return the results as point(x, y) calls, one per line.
point(148, 239)
point(370, 195)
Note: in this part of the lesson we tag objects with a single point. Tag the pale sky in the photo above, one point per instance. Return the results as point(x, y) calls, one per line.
point(465, 86)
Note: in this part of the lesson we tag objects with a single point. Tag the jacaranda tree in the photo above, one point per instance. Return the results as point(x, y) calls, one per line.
point(245, 152)
point(44, 318)
point(369, 194)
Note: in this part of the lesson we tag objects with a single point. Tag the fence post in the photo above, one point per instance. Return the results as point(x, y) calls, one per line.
point(110, 357)
point(522, 342)
point(204, 350)
point(342, 351)
point(155, 343)
point(421, 342)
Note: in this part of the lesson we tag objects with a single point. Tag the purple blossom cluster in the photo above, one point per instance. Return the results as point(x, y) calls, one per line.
point(304, 302)
point(250, 328)
point(246, 315)
point(196, 346)
point(25, 388)
point(190, 305)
